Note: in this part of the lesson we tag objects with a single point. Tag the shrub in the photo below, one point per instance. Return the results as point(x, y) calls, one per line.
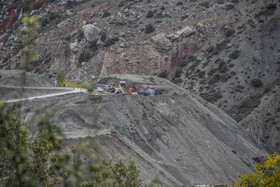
point(163, 74)
point(80, 36)
point(229, 6)
point(60, 77)
point(179, 3)
point(84, 56)
point(220, 1)
point(215, 78)
point(201, 74)
point(222, 67)
point(150, 14)
point(210, 49)
point(235, 54)
point(272, 6)
point(111, 41)
point(177, 81)
point(103, 36)
point(149, 28)
point(256, 82)
point(53, 16)
point(205, 4)
point(211, 97)
point(182, 62)
point(229, 32)
point(267, 174)
point(178, 73)
point(106, 13)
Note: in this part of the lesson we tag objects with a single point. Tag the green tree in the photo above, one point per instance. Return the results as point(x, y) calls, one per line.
point(28, 39)
point(266, 175)
point(42, 162)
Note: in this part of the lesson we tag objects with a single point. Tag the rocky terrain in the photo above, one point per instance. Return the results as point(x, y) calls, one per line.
point(224, 50)
point(177, 138)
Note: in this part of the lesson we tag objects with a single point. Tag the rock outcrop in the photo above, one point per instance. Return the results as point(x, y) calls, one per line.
point(92, 33)
point(162, 43)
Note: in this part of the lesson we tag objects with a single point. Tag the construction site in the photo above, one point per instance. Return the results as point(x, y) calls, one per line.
point(137, 89)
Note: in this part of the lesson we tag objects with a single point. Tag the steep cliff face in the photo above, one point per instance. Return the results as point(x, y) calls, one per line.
point(223, 50)
point(175, 137)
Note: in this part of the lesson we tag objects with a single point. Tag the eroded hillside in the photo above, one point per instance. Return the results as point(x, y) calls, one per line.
point(175, 138)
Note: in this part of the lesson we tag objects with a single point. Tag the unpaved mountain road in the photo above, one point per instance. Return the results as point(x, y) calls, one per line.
point(68, 91)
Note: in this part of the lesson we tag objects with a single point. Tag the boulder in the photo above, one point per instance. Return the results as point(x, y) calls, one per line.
point(68, 12)
point(91, 32)
point(162, 43)
point(185, 32)
point(74, 46)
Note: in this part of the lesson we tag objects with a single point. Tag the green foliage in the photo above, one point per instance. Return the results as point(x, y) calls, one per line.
point(177, 81)
point(183, 62)
point(266, 175)
point(23, 163)
point(60, 77)
point(220, 1)
point(256, 82)
point(150, 14)
point(90, 88)
point(41, 162)
point(235, 54)
point(163, 74)
point(271, 6)
point(118, 174)
point(205, 4)
point(229, 32)
point(103, 37)
point(84, 57)
point(80, 35)
point(179, 3)
point(178, 73)
point(149, 28)
point(28, 38)
point(111, 41)
point(211, 97)
point(106, 13)
point(229, 6)
point(215, 78)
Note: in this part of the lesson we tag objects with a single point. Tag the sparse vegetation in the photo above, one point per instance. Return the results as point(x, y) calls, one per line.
point(229, 6)
point(111, 41)
point(235, 54)
point(229, 32)
point(256, 82)
point(177, 81)
point(215, 78)
point(267, 174)
point(163, 74)
point(84, 57)
point(106, 13)
point(205, 4)
point(150, 14)
point(220, 1)
point(149, 28)
point(211, 97)
point(179, 3)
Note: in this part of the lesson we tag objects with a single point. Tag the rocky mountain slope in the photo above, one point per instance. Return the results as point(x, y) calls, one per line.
point(176, 138)
point(225, 50)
